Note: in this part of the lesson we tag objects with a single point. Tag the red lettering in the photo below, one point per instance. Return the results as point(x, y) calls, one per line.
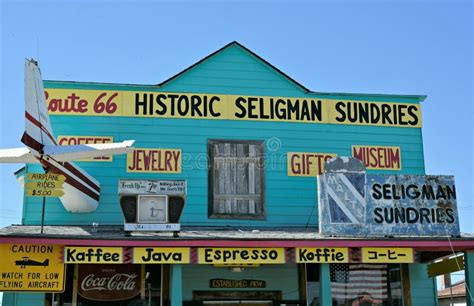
point(295, 168)
point(176, 156)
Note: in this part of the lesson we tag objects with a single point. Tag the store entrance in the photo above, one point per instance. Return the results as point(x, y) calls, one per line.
point(236, 298)
point(239, 303)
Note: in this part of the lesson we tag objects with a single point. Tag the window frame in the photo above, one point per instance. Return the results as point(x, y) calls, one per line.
point(210, 206)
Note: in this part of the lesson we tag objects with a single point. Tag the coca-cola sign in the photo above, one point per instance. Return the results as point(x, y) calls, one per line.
point(109, 282)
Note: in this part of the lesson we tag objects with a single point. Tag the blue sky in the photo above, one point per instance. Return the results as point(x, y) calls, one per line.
point(401, 47)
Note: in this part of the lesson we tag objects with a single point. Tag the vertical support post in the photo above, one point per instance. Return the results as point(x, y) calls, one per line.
point(176, 285)
point(75, 284)
point(469, 275)
point(406, 285)
point(42, 214)
point(143, 282)
point(325, 285)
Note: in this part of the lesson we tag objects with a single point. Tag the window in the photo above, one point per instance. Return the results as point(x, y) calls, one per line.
point(366, 284)
point(236, 179)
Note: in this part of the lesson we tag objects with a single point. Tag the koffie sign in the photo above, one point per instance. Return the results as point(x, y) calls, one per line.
point(371, 204)
point(207, 106)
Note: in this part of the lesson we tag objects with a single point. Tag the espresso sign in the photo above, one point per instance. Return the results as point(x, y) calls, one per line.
point(241, 256)
point(109, 282)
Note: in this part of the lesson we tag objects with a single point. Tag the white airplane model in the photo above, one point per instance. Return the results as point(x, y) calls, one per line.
point(81, 191)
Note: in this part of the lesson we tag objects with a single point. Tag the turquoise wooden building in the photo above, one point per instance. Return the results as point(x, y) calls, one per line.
point(248, 141)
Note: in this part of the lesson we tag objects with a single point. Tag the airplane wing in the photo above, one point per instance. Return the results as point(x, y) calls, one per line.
point(17, 156)
point(70, 153)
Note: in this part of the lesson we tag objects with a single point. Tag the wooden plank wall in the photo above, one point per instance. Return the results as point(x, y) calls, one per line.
point(289, 201)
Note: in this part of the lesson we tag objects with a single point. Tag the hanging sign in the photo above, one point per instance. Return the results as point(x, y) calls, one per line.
point(84, 102)
point(307, 164)
point(446, 266)
point(93, 255)
point(378, 157)
point(154, 160)
point(67, 140)
point(161, 255)
point(44, 185)
point(322, 255)
point(27, 267)
point(164, 187)
point(387, 255)
point(356, 203)
point(241, 255)
point(109, 282)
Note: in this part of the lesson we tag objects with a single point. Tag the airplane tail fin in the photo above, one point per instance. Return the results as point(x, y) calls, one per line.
point(38, 131)
point(46, 262)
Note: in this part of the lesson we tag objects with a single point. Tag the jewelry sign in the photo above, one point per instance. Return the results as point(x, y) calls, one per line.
point(355, 203)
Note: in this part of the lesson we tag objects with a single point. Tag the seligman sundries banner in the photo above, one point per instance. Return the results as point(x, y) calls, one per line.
point(231, 107)
point(376, 205)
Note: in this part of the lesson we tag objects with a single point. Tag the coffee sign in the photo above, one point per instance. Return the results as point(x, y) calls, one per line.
point(109, 282)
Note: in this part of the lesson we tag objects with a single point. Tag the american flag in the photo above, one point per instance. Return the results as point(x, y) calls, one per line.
point(349, 281)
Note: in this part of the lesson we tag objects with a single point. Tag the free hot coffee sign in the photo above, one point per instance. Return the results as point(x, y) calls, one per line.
point(109, 282)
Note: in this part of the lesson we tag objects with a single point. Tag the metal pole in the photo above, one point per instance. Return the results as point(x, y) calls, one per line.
point(42, 214)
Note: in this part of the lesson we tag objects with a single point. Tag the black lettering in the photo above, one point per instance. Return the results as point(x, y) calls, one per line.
point(449, 215)
point(316, 110)
point(424, 215)
point(140, 103)
point(378, 215)
point(339, 105)
point(161, 104)
point(412, 218)
point(412, 112)
point(376, 193)
point(211, 107)
point(243, 111)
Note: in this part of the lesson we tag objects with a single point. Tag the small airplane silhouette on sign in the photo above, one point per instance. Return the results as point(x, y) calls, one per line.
point(26, 261)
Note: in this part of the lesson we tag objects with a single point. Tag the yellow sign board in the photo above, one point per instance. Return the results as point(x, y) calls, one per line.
point(320, 255)
point(161, 255)
point(306, 163)
point(241, 256)
point(387, 255)
point(68, 140)
point(50, 177)
point(38, 192)
point(83, 102)
point(93, 255)
point(154, 160)
point(379, 157)
point(446, 266)
point(46, 185)
point(27, 267)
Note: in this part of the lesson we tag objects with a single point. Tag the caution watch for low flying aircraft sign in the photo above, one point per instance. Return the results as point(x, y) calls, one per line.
point(45, 185)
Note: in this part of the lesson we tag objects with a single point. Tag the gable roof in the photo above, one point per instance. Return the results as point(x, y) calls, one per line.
point(235, 43)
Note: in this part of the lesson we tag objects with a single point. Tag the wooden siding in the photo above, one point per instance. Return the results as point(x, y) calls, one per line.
point(423, 288)
point(290, 201)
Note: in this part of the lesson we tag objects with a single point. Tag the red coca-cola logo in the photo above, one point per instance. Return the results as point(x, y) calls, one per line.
point(109, 282)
